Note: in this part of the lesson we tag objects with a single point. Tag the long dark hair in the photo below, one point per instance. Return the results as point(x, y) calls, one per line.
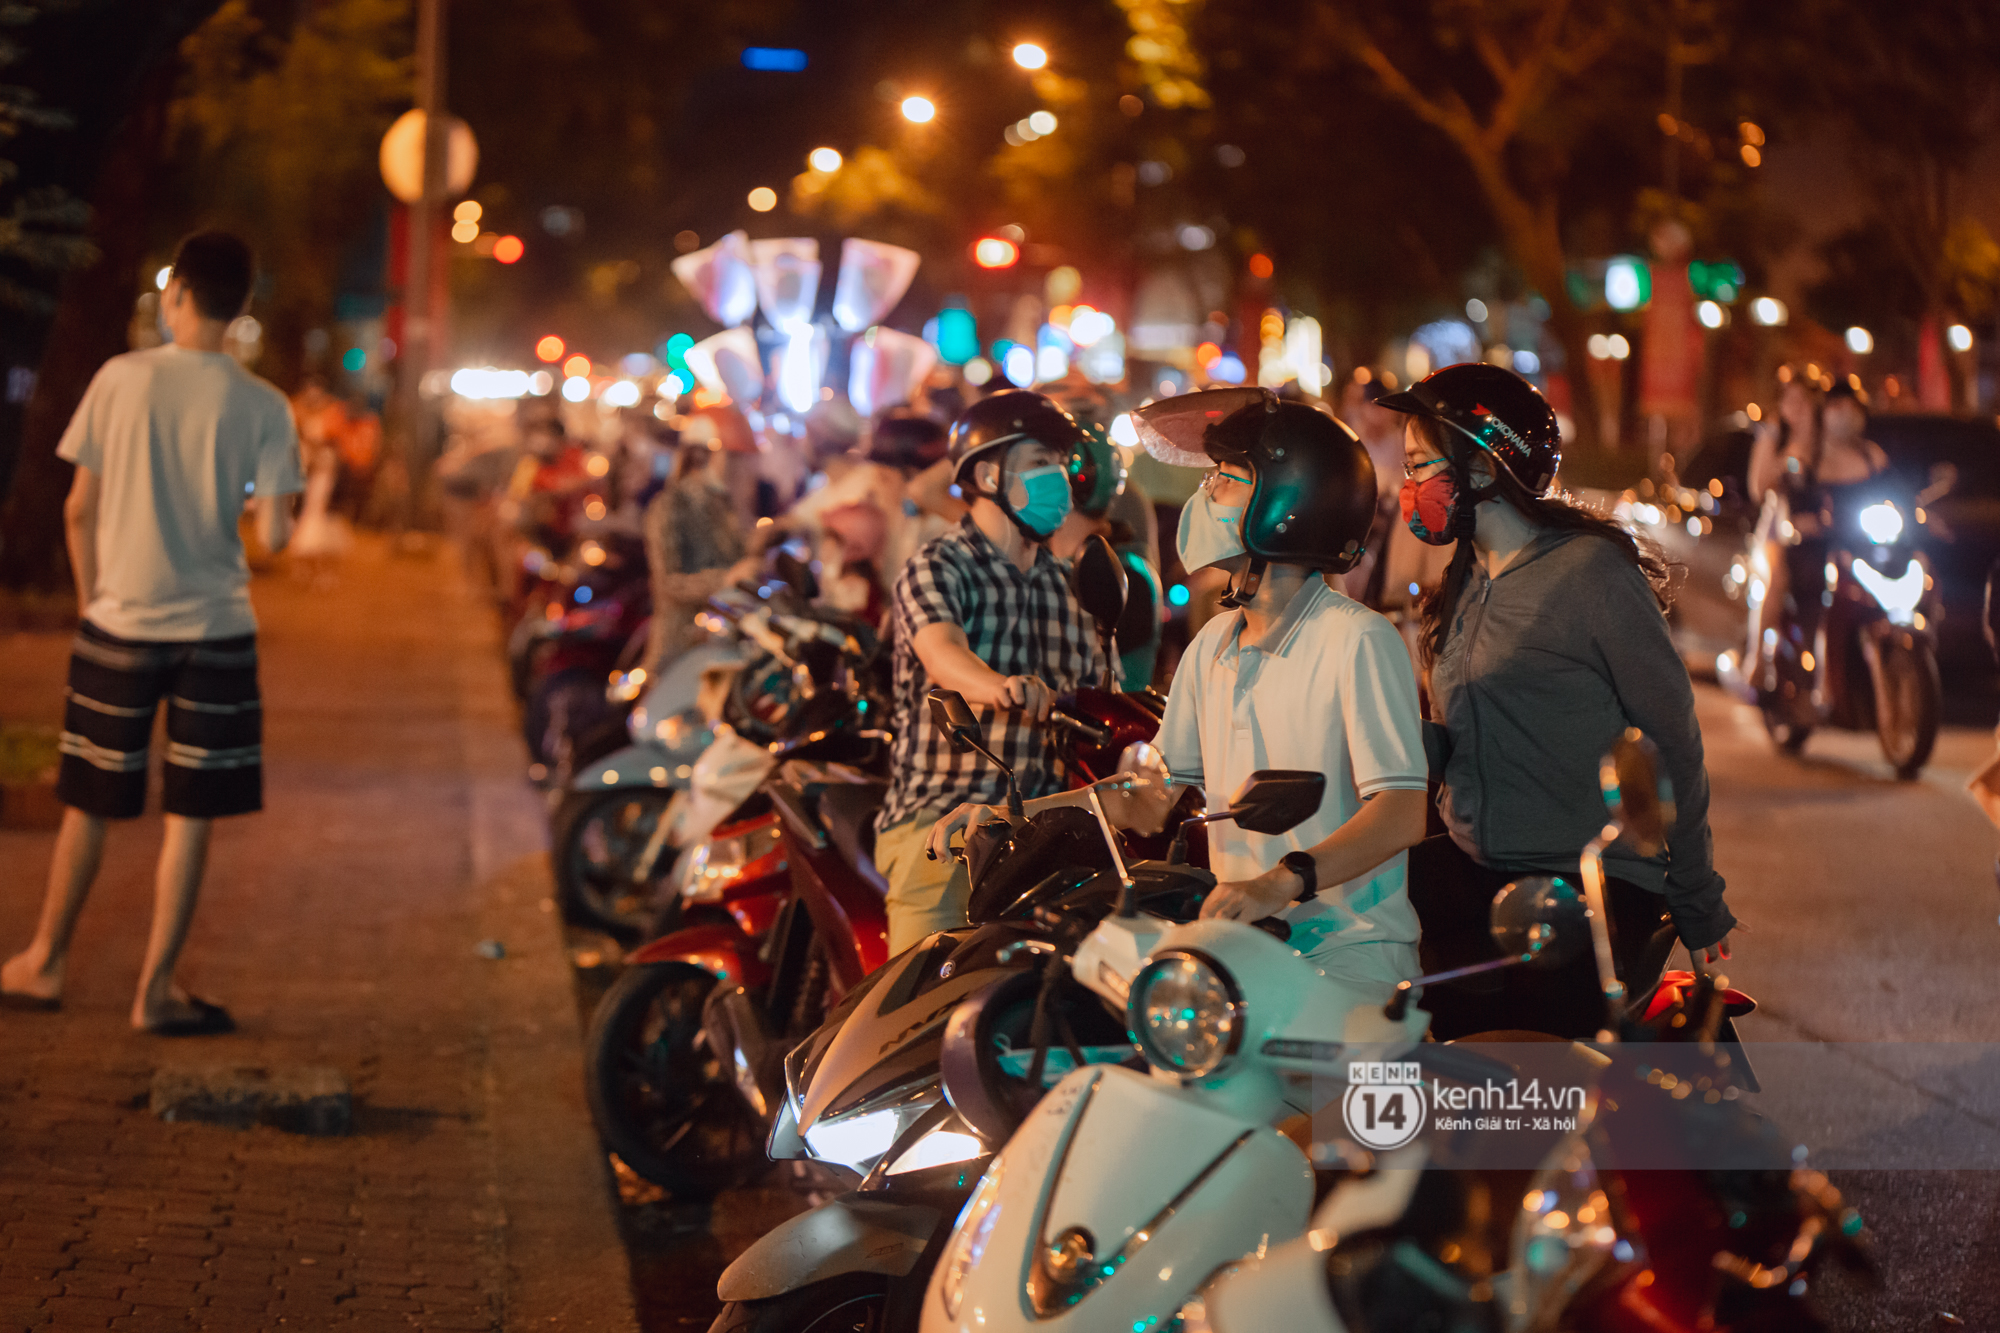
point(1558, 512)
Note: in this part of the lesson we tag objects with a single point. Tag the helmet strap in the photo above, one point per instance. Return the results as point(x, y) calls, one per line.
point(1238, 595)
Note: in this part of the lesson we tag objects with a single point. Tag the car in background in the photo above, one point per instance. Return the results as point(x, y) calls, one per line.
point(1701, 515)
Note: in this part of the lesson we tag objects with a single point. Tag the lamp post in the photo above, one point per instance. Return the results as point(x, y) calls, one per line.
point(421, 321)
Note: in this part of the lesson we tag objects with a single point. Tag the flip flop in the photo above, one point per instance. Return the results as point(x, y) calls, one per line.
point(33, 1004)
point(210, 1020)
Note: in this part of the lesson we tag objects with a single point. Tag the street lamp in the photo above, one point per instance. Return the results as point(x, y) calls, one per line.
point(919, 110)
point(1029, 56)
point(825, 160)
point(1860, 341)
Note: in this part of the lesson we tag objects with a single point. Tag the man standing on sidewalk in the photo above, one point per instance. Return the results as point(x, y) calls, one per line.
point(168, 443)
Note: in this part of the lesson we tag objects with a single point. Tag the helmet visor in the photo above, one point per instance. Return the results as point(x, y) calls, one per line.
point(1176, 430)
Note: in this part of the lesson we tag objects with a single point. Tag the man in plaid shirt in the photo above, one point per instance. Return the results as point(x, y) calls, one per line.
point(985, 610)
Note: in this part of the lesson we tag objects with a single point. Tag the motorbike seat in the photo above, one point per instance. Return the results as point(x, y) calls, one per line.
point(846, 811)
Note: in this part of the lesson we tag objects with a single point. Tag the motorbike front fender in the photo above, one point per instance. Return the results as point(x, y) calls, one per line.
point(719, 950)
point(848, 1234)
point(1285, 1289)
point(636, 766)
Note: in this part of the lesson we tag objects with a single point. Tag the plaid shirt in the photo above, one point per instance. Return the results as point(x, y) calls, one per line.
point(1020, 624)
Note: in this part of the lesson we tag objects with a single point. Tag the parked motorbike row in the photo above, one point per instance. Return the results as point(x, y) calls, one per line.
point(1090, 1108)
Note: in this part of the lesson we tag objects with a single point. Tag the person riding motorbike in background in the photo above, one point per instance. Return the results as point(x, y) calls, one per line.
point(1097, 483)
point(1810, 470)
point(1546, 640)
point(985, 610)
point(1297, 675)
point(695, 539)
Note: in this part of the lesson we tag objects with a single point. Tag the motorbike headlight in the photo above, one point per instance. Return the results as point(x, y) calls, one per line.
point(1881, 523)
point(858, 1140)
point(1185, 1013)
point(1898, 597)
point(968, 1239)
point(940, 1147)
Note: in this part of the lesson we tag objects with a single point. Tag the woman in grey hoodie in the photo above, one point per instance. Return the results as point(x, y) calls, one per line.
point(1545, 641)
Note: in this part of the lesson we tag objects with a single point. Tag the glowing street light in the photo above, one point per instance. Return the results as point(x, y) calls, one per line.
point(995, 252)
point(1711, 315)
point(509, 249)
point(1860, 341)
point(1029, 56)
point(550, 348)
point(468, 210)
point(763, 199)
point(1042, 122)
point(919, 110)
point(1769, 311)
point(1959, 337)
point(824, 159)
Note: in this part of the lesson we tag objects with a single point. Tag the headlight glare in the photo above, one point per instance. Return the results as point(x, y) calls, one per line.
point(940, 1147)
point(856, 1141)
point(1185, 1013)
point(1882, 523)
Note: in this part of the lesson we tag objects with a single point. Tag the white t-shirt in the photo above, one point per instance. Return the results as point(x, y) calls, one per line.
point(1333, 692)
point(179, 440)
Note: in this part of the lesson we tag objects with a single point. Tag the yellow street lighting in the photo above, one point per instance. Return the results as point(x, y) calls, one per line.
point(763, 199)
point(919, 110)
point(1029, 56)
point(824, 159)
point(468, 210)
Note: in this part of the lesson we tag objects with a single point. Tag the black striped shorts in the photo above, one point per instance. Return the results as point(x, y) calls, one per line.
point(215, 725)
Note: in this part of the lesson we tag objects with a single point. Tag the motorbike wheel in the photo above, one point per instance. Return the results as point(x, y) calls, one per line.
point(566, 702)
point(1907, 703)
point(850, 1303)
point(661, 1100)
point(596, 840)
point(1790, 737)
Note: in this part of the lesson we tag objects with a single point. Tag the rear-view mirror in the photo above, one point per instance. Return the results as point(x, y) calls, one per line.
point(1100, 583)
point(954, 718)
point(1636, 792)
point(1541, 919)
point(1276, 800)
point(797, 574)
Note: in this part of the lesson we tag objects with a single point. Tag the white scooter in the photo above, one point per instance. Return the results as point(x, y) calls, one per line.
point(1123, 1192)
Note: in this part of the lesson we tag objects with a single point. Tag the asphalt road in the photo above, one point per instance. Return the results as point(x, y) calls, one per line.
point(1871, 921)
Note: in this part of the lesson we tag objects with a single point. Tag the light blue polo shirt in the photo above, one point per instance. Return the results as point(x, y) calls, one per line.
point(1331, 691)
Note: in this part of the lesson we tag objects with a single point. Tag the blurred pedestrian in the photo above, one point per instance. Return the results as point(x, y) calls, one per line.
point(167, 444)
point(696, 542)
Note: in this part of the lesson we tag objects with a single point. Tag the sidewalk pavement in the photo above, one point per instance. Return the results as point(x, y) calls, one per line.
point(340, 926)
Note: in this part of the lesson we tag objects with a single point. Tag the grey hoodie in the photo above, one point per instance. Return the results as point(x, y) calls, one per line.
point(1542, 670)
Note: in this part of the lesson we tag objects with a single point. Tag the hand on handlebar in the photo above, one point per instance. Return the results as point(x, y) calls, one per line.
point(1251, 899)
point(1717, 952)
point(1026, 693)
point(967, 817)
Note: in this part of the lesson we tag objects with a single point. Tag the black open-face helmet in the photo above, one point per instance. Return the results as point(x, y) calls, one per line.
point(1005, 419)
point(1498, 411)
point(1313, 489)
point(904, 439)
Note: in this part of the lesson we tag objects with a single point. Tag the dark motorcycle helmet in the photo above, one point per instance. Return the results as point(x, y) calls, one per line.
point(1006, 418)
point(1313, 489)
point(1498, 411)
point(1096, 473)
point(905, 439)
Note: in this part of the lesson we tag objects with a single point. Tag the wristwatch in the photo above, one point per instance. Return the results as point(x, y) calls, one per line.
point(1302, 865)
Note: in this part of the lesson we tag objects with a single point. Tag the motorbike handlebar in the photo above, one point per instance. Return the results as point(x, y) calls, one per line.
point(1077, 727)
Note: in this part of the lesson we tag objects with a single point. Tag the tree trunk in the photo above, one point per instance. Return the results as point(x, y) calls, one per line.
point(89, 329)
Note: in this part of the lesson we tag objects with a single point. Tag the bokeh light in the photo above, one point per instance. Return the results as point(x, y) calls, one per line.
point(509, 249)
point(468, 210)
point(995, 252)
point(824, 159)
point(919, 110)
point(549, 348)
point(576, 366)
point(763, 199)
point(1029, 56)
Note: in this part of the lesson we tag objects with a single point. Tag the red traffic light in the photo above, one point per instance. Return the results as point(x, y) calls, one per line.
point(995, 252)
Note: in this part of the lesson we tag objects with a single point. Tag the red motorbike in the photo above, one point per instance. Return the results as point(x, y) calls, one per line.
point(786, 917)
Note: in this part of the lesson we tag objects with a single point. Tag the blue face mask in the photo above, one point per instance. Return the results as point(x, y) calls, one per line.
point(1209, 533)
point(1040, 498)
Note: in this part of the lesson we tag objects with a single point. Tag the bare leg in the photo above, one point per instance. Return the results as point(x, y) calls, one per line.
point(38, 969)
point(183, 856)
